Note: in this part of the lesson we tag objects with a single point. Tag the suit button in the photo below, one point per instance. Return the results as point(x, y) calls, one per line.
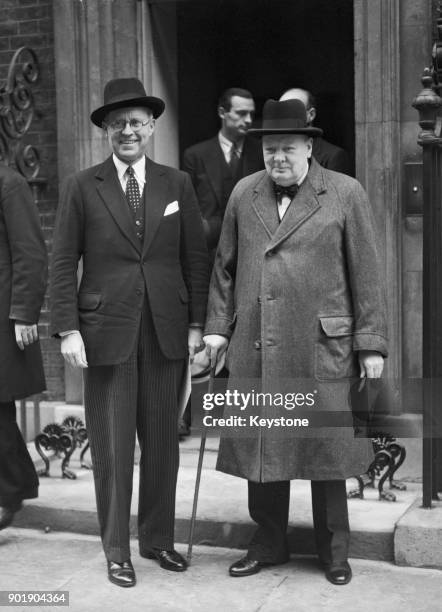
point(137, 222)
point(257, 345)
point(139, 291)
point(259, 299)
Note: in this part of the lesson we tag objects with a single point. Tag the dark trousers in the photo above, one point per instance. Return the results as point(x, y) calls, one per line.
point(138, 396)
point(269, 508)
point(18, 478)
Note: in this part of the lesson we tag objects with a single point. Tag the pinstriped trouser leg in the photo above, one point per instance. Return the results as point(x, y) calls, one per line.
point(157, 429)
point(138, 395)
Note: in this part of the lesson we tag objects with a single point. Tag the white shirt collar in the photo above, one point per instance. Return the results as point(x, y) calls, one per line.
point(139, 168)
point(226, 144)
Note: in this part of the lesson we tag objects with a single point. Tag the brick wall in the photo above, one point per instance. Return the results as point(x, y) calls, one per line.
point(30, 23)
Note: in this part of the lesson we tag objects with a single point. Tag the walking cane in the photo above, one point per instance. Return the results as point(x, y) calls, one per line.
point(198, 472)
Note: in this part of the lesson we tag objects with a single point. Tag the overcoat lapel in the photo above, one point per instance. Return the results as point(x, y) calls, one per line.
point(155, 200)
point(264, 204)
point(109, 189)
point(305, 204)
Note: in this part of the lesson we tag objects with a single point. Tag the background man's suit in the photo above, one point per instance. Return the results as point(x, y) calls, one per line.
point(330, 156)
point(213, 181)
point(134, 305)
point(23, 270)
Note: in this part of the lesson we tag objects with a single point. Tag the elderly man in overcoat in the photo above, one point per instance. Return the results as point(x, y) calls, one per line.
point(23, 271)
point(296, 295)
point(134, 321)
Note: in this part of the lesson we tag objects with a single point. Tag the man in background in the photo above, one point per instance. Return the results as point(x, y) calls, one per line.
point(217, 164)
point(327, 154)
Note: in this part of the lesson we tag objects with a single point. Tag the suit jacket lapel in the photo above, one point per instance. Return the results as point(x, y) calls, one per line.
point(304, 205)
point(155, 200)
point(109, 189)
point(214, 163)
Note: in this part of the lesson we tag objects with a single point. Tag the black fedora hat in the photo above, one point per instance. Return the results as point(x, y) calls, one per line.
point(120, 93)
point(287, 117)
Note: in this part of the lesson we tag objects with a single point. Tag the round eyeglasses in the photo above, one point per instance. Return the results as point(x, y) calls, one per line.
point(119, 124)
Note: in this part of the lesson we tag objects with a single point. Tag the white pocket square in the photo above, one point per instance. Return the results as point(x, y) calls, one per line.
point(172, 208)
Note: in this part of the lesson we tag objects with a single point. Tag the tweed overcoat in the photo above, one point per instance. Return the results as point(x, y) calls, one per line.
point(298, 299)
point(23, 272)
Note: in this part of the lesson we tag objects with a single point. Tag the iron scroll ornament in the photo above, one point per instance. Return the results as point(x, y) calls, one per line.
point(17, 108)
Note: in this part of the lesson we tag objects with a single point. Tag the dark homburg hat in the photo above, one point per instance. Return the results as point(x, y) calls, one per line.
point(120, 93)
point(287, 117)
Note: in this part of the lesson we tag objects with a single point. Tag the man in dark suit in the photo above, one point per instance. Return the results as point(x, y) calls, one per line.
point(23, 271)
point(327, 154)
point(134, 321)
point(217, 164)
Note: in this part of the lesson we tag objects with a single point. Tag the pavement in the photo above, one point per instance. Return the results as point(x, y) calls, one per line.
point(223, 519)
point(36, 561)
point(54, 545)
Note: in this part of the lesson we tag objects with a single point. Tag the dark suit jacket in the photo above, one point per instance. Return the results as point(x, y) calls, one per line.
point(204, 162)
point(330, 156)
point(23, 271)
point(94, 221)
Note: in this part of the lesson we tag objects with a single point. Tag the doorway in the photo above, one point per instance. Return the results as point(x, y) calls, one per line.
point(266, 46)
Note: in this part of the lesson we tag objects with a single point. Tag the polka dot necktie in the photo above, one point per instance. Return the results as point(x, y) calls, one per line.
point(132, 191)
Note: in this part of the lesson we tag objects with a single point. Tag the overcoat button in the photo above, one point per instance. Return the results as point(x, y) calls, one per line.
point(257, 345)
point(259, 299)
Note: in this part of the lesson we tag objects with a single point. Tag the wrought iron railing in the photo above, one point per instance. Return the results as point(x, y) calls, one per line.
point(429, 105)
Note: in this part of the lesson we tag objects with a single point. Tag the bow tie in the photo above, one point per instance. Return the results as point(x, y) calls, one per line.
point(289, 191)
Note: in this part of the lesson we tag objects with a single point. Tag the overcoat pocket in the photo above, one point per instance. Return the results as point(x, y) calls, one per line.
point(334, 355)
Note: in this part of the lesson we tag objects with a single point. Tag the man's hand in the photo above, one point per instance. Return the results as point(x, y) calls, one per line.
point(73, 351)
point(215, 347)
point(195, 342)
point(25, 334)
point(371, 364)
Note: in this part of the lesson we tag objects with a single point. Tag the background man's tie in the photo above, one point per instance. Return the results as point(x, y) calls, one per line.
point(234, 158)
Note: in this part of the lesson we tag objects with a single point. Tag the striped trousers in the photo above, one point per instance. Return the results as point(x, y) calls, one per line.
point(139, 397)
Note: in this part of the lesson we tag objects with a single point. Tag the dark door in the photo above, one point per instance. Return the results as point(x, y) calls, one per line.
point(266, 46)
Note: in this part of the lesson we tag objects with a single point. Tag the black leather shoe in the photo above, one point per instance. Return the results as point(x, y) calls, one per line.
point(7, 514)
point(169, 559)
point(246, 567)
point(121, 574)
point(339, 574)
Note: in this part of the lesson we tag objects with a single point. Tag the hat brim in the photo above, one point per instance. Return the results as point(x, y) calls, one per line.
point(307, 131)
point(156, 105)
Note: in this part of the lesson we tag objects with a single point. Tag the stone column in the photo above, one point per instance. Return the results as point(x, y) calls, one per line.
point(377, 124)
point(95, 40)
